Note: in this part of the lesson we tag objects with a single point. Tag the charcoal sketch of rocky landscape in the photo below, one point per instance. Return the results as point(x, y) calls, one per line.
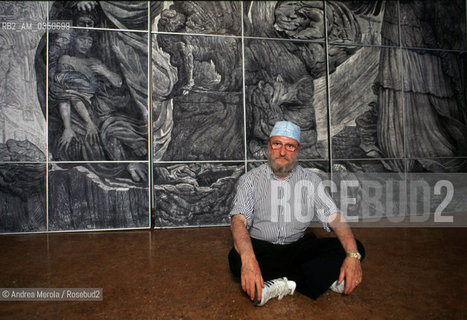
point(201, 105)
point(206, 97)
point(194, 194)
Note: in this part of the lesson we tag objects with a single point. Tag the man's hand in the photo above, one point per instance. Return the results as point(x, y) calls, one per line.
point(351, 270)
point(251, 277)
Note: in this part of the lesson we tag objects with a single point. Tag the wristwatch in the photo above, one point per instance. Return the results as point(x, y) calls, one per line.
point(355, 255)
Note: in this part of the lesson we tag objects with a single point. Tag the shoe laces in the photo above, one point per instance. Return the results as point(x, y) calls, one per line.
point(277, 287)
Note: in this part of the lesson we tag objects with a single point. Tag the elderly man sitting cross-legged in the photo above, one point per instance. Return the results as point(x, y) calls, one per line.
point(272, 255)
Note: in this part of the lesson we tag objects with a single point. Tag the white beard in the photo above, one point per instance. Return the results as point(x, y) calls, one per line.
point(281, 171)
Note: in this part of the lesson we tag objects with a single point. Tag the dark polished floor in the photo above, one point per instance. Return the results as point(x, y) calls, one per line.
point(183, 274)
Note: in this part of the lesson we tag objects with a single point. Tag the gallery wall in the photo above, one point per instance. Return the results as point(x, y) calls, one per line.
point(146, 113)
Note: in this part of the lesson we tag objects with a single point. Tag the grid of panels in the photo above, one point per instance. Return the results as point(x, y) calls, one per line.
point(98, 115)
point(206, 81)
point(91, 89)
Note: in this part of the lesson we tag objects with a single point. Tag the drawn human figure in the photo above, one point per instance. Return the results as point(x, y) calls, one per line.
point(178, 46)
point(90, 122)
point(79, 73)
point(125, 53)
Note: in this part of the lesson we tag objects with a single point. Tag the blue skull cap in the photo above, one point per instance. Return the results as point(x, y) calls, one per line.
point(286, 129)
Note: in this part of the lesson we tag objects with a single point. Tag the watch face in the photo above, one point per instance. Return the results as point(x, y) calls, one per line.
point(355, 255)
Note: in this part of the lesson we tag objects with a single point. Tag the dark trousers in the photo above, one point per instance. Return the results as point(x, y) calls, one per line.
point(313, 263)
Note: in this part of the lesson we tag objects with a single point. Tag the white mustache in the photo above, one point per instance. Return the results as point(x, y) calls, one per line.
point(285, 157)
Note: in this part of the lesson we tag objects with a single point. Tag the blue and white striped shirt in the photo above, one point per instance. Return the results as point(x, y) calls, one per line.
point(279, 211)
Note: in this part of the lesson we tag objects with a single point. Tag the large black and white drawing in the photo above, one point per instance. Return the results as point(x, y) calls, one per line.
point(374, 85)
point(97, 111)
point(199, 103)
point(92, 115)
point(288, 66)
point(205, 85)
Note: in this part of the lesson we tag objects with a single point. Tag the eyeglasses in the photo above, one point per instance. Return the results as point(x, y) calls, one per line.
point(276, 145)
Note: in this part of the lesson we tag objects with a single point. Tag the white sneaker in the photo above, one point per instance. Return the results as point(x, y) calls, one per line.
point(275, 288)
point(339, 288)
